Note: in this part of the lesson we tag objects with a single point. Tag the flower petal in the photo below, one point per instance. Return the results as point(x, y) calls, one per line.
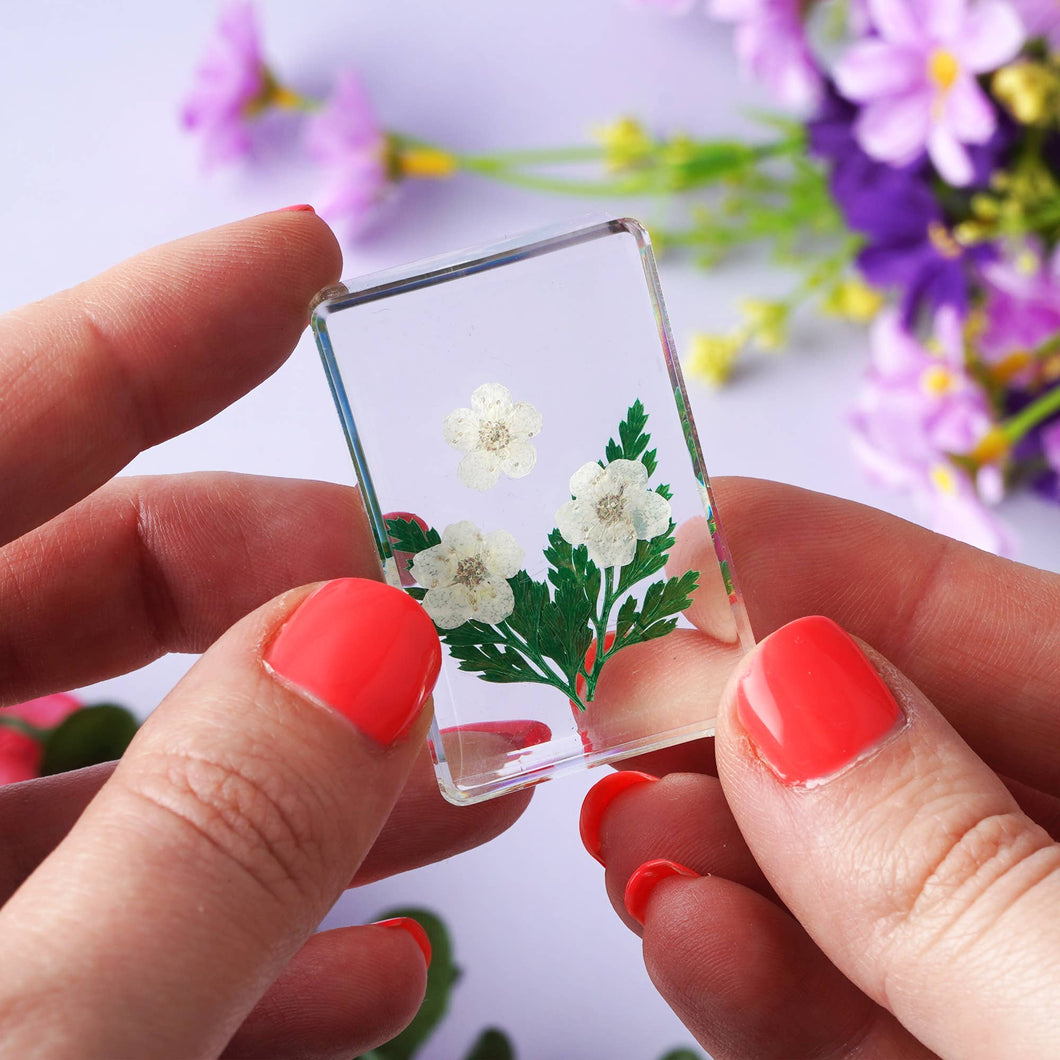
point(991, 35)
point(502, 554)
point(434, 567)
point(949, 157)
point(896, 21)
point(518, 458)
point(490, 397)
point(493, 601)
point(464, 538)
point(524, 420)
point(895, 129)
point(571, 523)
point(460, 429)
point(876, 68)
point(612, 545)
point(942, 19)
point(480, 470)
point(449, 607)
point(626, 474)
point(650, 515)
point(968, 113)
point(585, 479)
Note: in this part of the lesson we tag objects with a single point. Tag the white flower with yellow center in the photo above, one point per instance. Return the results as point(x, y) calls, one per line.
point(466, 576)
point(611, 511)
point(495, 434)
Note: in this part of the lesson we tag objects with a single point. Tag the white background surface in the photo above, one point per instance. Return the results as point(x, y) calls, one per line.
point(95, 169)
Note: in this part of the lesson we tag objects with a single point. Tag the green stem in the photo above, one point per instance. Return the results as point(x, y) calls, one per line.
point(600, 621)
point(538, 157)
point(10, 721)
point(1036, 412)
point(553, 185)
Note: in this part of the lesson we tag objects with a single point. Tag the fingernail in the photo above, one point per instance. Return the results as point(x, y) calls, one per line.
point(643, 882)
point(364, 649)
point(811, 701)
point(415, 929)
point(521, 733)
point(599, 798)
point(302, 206)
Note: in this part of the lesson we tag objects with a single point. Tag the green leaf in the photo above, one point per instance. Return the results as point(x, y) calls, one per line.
point(682, 1054)
point(633, 439)
point(99, 733)
point(492, 1044)
point(441, 977)
point(408, 536)
point(653, 618)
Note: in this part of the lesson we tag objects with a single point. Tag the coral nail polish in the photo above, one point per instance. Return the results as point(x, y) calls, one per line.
point(415, 929)
point(811, 701)
point(302, 207)
point(643, 882)
point(527, 733)
point(599, 798)
point(364, 649)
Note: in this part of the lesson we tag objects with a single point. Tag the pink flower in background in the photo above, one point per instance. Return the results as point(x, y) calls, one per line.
point(772, 47)
point(20, 755)
point(917, 79)
point(917, 406)
point(1041, 18)
point(1022, 308)
point(346, 140)
point(1050, 438)
point(230, 78)
point(667, 7)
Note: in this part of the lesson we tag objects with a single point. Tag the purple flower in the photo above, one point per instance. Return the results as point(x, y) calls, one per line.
point(230, 78)
point(1022, 308)
point(1041, 18)
point(918, 406)
point(1050, 438)
point(771, 45)
point(1039, 447)
point(345, 138)
point(917, 79)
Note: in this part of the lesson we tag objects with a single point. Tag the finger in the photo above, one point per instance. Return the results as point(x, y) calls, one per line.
point(902, 854)
point(241, 810)
point(421, 829)
point(147, 350)
point(343, 993)
point(747, 981)
point(958, 621)
point(162, 564)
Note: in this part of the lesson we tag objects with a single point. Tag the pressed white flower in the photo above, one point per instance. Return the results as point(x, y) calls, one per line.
point(466, 576)
point(495, 434)
point(612, 510)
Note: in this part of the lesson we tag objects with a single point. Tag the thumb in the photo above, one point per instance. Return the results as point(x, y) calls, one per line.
point(236, 818)
point(902, 854)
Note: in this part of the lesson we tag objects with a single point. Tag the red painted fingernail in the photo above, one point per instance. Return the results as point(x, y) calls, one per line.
point(415, 929)
point(643, 882)
point(812, 702)
point(600, 796)
point(364, 649)
point(521, 733)
point(304, 207)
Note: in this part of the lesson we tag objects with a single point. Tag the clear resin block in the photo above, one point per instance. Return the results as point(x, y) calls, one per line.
point(526, 451)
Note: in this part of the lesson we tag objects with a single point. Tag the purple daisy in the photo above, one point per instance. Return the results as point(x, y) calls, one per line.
point(230, 78)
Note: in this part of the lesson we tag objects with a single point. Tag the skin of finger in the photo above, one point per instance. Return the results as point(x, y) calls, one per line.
point(979, 635)
point(919, 877)
point(747, 981)
point(343, 993)
point(684, 818)
point(239, 813)
point(164, 564)
point(147, 350)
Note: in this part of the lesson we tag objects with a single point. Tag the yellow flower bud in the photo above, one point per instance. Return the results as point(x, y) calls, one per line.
point(767, 322)
point(712, 357)
point(1030, 90)
point(991, 447)
point(625, 143)
point(425, 163)
point(853, 300)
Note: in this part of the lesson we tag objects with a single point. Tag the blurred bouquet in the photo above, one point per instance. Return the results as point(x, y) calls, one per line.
point(57, 733)
point(920, 194)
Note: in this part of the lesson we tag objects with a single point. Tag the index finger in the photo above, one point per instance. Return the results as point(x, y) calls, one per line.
point(980, 635)
point(147, 350)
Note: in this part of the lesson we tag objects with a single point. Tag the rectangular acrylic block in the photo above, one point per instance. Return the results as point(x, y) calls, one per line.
point(525, 449)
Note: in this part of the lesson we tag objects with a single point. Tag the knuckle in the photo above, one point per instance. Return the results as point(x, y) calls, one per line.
point(247, 812)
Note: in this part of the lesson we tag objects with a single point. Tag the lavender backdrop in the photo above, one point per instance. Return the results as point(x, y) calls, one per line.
point(96, 169)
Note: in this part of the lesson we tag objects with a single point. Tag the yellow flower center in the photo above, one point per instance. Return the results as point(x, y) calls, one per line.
point(992, 446)
point(938, 380)
point(942, 69)
point(944, 479)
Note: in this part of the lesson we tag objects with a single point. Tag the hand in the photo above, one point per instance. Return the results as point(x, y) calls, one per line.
point(173, 918)
point(869, 869)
